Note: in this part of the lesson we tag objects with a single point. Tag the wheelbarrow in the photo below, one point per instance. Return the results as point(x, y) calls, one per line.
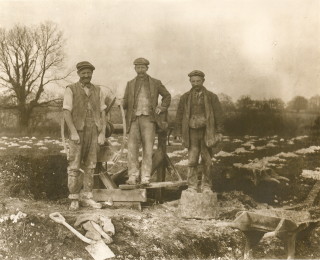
point(260, 224)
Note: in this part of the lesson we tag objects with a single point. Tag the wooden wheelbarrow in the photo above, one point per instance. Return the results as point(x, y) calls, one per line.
point(284, 224)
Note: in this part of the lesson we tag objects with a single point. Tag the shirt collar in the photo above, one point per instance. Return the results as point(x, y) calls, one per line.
point(143, 77)
point(200, 90)
point(85, 85)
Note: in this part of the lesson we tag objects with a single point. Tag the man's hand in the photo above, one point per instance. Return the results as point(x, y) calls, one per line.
point(75, 138)
point(159, 109)
point(219, 137)
point(101, 138)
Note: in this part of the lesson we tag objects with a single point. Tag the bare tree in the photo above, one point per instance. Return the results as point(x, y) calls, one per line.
point(30, 59)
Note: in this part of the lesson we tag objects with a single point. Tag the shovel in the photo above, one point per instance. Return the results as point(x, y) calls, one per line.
point(97, 249)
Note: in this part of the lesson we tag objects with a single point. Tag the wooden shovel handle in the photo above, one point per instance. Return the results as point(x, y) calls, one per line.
point(57, 217)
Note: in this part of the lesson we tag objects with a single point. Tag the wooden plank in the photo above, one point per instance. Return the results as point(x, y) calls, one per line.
point(107, 181)
point(154, 185)
point(139, 195)
point(125, 204)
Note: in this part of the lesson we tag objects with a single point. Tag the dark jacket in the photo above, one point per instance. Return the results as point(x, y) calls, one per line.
point(213, 113)
point(80, 105)
point(130, 97)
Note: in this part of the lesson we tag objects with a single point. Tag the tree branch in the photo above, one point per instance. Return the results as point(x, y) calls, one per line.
point(29, 60)
point(59, 78)
point(56, 100)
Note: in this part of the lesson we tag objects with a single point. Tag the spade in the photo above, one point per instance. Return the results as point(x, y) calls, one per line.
point(97, 249)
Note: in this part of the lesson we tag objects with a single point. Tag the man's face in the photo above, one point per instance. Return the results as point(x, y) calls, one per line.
point(85, 75)
point(196, 81)
point(141, 69)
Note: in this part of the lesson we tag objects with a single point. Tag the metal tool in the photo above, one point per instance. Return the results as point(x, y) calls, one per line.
point(97, 249)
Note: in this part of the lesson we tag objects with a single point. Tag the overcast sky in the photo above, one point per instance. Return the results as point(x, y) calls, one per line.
point(262, 48)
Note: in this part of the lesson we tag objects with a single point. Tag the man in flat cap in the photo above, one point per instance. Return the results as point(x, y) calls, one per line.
point(199, 124)
point(84, 112)
point(142, 110)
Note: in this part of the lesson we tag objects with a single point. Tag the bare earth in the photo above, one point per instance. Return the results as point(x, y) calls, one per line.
point(33, 182)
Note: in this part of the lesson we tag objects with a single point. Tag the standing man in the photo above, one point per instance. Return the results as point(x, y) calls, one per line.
point(199, 123)
point(83, 109)
point(142, 110)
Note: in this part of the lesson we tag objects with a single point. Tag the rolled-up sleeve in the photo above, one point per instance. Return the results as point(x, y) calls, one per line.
point(103, 104)
point(68, 99)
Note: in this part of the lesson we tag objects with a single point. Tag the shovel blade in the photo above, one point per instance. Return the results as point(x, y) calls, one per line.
point(99, 251)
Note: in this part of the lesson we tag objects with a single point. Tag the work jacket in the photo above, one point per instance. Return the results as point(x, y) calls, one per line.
point(213, 114)
point(131, 94)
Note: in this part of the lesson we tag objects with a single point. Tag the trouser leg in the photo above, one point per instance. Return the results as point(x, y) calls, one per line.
point(89, 151)
point(193, 178)
point(74, 184)
point(74, 174)
point(147, 130)
point(193, 158)
point(134, 140)
point(86, 198)
point(88, 179)
point(206, 183)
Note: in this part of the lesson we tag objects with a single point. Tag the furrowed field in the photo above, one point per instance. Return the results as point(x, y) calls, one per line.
point(34, 183)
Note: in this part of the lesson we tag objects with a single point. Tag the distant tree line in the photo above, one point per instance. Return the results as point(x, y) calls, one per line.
point(269, 116)
point(246, 103)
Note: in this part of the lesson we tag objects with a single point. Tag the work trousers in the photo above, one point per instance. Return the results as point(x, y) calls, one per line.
point(84, 156)
point(142, 130)
point(197, 146)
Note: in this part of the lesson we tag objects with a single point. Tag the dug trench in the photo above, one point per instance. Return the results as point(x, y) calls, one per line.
point(37, 187)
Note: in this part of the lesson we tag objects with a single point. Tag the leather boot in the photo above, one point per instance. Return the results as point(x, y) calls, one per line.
point(86, 200)
point(145, 180)
point(132, 180)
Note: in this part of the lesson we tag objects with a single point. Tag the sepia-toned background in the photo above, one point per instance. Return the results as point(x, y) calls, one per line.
point(262, 48)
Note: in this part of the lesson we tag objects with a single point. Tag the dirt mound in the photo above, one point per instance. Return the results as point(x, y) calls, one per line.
point(156, 233)
point(43, 177)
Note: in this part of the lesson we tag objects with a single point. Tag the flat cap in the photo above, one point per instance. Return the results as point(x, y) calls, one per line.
point(196, 73)
point(85, 65)
point(141, 61)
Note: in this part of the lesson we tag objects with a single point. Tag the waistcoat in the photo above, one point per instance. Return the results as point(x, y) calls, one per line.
point(197, 111)
point(82, 103)
point(143, 99)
